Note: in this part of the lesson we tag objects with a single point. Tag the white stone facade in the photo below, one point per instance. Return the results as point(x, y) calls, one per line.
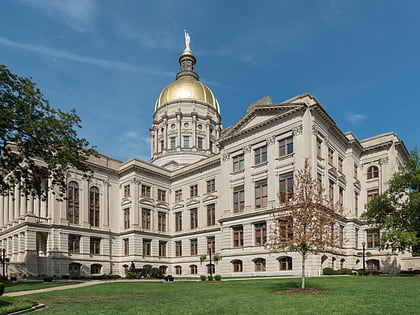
point(226, 185)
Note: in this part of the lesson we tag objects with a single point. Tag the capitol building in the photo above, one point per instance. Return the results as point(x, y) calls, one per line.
point(206, 188)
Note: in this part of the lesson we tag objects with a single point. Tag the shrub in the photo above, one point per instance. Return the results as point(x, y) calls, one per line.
point(328, 271)
point(210, 278)
point(345, 271)
point(203, 278)
point(1, 288)
point(131, 275)
point(217, 277)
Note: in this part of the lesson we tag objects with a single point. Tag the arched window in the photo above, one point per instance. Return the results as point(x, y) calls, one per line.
point(95, 269)
point(342, 260)
point(286, 263)
point(372, 172)
point(94, 206)
point(193, 269)
point(372, 264)
point(259, 264)
point(178, 270)
point(73, 203)
point(125, 268)
point(237, 265)
point(74, 269)
point(162, 269)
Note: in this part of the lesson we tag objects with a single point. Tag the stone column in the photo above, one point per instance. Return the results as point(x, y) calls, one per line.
point(135, 183)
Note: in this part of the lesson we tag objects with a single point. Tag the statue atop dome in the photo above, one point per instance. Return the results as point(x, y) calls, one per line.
point(187, 41)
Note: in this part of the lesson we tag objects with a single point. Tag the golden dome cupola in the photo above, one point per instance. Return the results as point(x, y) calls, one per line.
point(187, 122)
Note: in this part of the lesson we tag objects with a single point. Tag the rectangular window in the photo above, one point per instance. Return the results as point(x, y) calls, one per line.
point(372, 238)
point(145, 191)
point(126, 218)
point(162, 145)
point(356, 204)
point(211, 185)
point(162, 249)
point(238, 162)
point(74, 243)
point(186, 142)
point(238, 236)
point(145, 219)
point(330, 156)
point(260, 234)
point(372, 194)
point(341, 236)
point(286, 146)
point(178, 221)
point(161, 195)
point(161, 221)
point(211, 215)
point(199, 142)
point(261, 194)
point(178, 195)
point(127, 190)
point(355, 170)
point(285, 229)
point(260, 155)
point(211, 244)
point(194, 247)
point(340, 164)
point(286, 187)
point(211, 146)
point(319, 181)
point(95, 246)
point(319, 147)
point(126, 246)
point(238, 199)
point(341, 196)
point(194, 218)
point(147, 247)
point(331, 191)
point(173, 143)
point(356, 238)
point(194, 190)
point(178, 248)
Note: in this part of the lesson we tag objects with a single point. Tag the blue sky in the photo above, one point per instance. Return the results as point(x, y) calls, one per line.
point(110, 59)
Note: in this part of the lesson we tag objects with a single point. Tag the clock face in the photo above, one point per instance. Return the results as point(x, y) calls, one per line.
point(186, 125)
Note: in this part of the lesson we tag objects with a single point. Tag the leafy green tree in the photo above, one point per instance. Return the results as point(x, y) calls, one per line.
point(396, 212)
point(37, 142)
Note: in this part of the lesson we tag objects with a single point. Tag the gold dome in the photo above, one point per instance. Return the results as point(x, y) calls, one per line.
point(187, 87)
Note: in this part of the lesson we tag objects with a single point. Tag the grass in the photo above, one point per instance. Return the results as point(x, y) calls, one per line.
point(24, 286)
point(348, 295)
point(12, 304)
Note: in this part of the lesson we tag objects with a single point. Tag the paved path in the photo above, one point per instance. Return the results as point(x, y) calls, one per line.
point(93, 282)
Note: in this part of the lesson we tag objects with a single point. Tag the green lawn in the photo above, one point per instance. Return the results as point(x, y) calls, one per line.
point(348, 295)
point(12, 304)
point(24, 286)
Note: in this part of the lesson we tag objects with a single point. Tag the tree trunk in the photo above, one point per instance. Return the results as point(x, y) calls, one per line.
point(303, 271)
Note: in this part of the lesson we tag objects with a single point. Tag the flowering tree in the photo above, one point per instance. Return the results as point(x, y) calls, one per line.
point(306, 220)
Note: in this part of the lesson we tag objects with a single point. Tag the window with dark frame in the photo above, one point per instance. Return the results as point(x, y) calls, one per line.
point(330, 156)
point(372, 238)
point(161, 221)
point(73, 202)
point(211, 214)
point(193, 269)
point(126, 246)
point(178, 248)
point(94, 206)
point(261, 194)
point(211, 185)
point(211, 244)
point(238, 162)
point(74, 244)
point(260, 233)
point(186, 142)
point(178, 270)
point(194, 247)
point(145, 218)
point(95, 245)
point(238, 199)
point(194, 218)
point(372, 172)
point(285, 263)
point(331, 191)
point(285, 229)
point(286, 187)
point(161, 195)
point(173, 143)
point(259, 264)
point(178, 195)
point(200, 142)
point(238, 236)
point(162, 249)
point(193, 190)
point(319, 147)
point(178, 221)
point(147, 247)
point(372, 193)
point(286, 146)
point(126, 218)
point(340, 164)
point(127, 192)
point(237, 265)
point(260, 155)
point(145, 191)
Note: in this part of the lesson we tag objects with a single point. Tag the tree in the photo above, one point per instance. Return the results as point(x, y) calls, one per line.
point(305, 221)
point(37, 142)
point(396, 212)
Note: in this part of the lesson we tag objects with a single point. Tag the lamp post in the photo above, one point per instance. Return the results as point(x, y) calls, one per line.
point(210, 268)
point(3, 258)
point(363, 254)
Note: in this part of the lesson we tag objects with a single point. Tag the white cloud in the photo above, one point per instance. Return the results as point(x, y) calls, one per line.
point(103, 63)
point(78, 14)
point(355, 118)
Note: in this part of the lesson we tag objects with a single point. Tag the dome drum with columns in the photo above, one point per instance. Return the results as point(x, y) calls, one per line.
point(187, 120)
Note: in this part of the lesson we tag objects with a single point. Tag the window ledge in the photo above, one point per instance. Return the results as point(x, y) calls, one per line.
point(284, 157)
point(238, 172)
point(260, 164)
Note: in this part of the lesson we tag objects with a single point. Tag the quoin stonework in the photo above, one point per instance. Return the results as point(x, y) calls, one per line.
point(207, 188)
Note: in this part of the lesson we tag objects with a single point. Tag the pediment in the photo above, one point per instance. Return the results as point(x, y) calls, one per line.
point(146, 201)
point(162, 205)
point(209, 197)
point(125, 202)
point(193, 202)
point(258, 116)
point(178, 205)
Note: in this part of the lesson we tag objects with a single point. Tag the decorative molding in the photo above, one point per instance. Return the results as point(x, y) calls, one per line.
point(226, 157)
point(314, 129)
point(270, 140)
point(247, 148)
point(297, 131)
point(384, 161)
